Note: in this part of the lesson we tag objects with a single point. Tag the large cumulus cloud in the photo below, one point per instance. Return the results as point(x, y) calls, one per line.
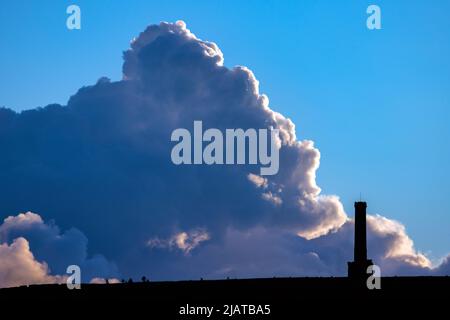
point(102, 163)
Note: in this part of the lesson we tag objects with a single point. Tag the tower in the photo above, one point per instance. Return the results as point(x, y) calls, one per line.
point(358, 267)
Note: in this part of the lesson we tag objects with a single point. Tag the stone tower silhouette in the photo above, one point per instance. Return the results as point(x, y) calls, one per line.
point(358, 267)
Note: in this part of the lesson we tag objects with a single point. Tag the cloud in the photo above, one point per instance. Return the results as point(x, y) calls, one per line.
point(33, 240)
point(102, 163)
point(394, 244)
point(104, 281)
point(259, 181)
point(184, 241)
point(19, 267)
point(444, 267)
point(267, 252)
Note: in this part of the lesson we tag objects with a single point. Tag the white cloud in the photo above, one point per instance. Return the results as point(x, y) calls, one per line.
point(19, 267)
point(184, 241)
point(104, 281)
point(259, 181)
point(269, 196)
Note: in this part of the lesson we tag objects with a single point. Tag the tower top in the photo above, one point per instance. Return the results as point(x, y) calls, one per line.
point(359, 204)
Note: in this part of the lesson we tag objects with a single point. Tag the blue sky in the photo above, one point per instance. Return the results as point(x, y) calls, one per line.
point(376, 103)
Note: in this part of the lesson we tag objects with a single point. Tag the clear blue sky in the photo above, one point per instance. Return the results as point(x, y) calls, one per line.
point(375, 102)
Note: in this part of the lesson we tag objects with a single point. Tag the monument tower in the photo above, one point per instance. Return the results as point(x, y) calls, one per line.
point(358, 267)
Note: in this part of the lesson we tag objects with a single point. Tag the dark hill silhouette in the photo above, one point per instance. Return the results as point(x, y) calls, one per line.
point(288, 298)
point(271, 289)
